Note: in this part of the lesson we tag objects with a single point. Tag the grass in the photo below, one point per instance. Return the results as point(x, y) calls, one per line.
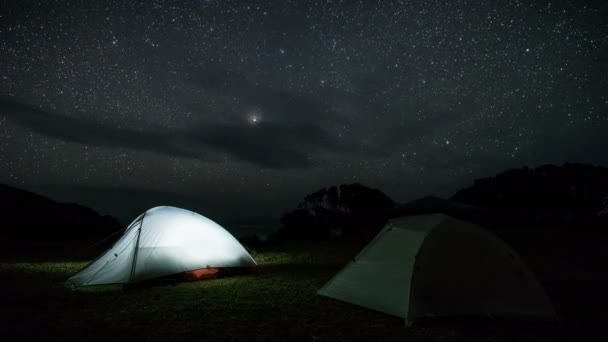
point(280, 303)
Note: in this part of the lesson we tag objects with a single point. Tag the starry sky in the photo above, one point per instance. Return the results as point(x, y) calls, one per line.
point(240, 108)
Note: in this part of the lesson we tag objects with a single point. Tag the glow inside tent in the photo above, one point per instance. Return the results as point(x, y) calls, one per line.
point(165, 241)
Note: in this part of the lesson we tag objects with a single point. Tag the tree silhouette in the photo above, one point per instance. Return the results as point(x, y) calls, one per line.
point(339, 210)
point(549, 195)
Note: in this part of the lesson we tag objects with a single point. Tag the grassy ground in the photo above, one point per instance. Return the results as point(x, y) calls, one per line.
point(279, 303)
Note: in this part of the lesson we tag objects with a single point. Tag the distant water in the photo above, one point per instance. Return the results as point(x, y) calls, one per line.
point(260, 231)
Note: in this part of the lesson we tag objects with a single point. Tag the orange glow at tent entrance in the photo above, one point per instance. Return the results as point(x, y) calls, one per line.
point(203, 273)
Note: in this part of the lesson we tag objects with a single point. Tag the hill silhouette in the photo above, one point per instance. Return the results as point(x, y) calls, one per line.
point(336, 211)
point(428, 205)
point(27, 215)
point(571, 195)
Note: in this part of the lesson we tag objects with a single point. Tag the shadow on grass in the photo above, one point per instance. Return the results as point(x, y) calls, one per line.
point(509, 327)
point(303, 269)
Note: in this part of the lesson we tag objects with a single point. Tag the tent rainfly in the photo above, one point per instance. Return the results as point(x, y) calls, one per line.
point(166, 241)
point(438, 266)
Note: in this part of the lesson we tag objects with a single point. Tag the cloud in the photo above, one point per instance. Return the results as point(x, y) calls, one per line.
point(278, 104)
point(268, 144)
point(76, 130)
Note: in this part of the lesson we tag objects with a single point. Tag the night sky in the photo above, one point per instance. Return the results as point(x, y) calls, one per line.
point(240, 108)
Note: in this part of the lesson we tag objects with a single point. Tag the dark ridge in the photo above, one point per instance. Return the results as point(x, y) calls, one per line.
point(27, 215)
point(568, 196)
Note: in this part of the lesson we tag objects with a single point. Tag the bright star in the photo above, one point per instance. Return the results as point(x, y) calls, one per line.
point(254, 117)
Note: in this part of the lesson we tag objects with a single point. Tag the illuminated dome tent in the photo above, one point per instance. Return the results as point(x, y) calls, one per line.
point(438, 266)
point(167, 241)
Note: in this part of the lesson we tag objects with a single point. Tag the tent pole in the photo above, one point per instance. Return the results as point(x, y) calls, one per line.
point(141, 224)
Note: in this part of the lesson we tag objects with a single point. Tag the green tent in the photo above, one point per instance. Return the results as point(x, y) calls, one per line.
point(438, 266)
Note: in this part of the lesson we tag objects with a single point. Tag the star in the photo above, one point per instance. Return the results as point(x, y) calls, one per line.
point(145, 97)
point(254, 117)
